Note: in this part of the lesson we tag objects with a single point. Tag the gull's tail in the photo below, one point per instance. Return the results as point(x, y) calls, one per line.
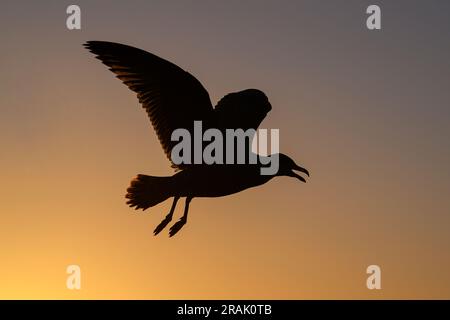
point(147, 191)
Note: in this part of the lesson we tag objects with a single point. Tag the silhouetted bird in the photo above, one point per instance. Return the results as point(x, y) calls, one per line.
point(174, 99)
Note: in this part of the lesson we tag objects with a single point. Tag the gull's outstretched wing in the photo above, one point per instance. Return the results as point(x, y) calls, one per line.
point(242, 110)
point(172, 97)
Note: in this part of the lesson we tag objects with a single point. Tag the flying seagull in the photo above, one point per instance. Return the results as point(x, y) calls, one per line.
point(174, 99)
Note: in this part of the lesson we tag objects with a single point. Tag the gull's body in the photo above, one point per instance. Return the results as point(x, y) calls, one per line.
point(174, 99)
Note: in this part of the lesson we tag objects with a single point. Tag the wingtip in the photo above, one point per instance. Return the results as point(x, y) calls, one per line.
point(90, 44)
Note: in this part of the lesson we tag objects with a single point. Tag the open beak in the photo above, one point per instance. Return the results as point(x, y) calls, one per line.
point(299, 177)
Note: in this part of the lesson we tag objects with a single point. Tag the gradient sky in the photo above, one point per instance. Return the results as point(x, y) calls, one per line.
point(367, 112)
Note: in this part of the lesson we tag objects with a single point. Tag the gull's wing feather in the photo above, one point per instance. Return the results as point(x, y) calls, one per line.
point(242, 110)
point(172, 97)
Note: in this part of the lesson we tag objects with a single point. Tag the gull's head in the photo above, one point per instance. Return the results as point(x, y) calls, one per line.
point(287, 167)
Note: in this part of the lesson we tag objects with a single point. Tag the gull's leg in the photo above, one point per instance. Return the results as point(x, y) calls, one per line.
point(168, 218)
point(180, 223)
